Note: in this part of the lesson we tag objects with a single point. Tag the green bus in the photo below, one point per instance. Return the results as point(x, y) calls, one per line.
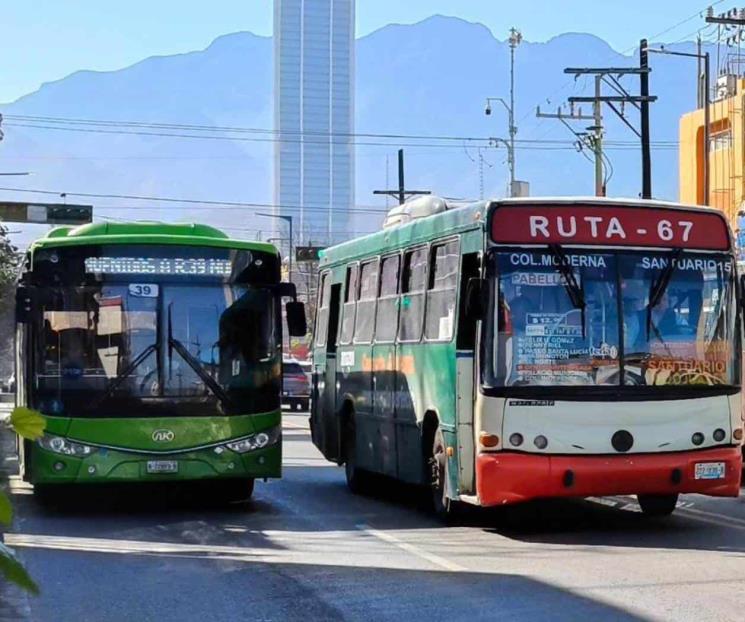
point(509, 350)
point(154, 352)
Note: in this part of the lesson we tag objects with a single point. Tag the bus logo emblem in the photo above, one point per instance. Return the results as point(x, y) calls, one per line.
point(163, 436)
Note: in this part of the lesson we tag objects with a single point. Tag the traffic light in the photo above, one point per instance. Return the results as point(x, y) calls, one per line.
point(308, 253)
point(69, 214)
point(45, 213)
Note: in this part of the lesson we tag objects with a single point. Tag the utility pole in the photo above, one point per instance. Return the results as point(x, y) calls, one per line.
point(597, 113)
point(704, 101)
point(611, 76)
point(593, 142)
point(644, 110)
point(514, 40)
point(401, 193)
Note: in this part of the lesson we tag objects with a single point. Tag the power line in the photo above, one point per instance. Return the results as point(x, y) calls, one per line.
point(130, 127)
point(360, 209)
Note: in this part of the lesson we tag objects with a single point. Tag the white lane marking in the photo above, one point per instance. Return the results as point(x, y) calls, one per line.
point(295, 426)
point(410, 548)
point(109, 545)
point(730, 521)
point(682, 509)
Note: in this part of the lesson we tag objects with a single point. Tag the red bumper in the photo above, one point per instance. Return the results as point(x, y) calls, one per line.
point(511, 478)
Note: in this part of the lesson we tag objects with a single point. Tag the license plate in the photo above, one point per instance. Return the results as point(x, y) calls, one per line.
point(709, 470)
point(162, 466)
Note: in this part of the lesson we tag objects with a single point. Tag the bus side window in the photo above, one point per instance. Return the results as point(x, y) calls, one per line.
point(351, 291)
point(365, 321)
point(386, 320)
point(466, 334)
point(322, 313)
point(413, 284)
point(443, 279)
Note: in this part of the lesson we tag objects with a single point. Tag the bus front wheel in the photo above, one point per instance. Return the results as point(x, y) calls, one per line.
point(443, 505)
point(657, 505)
point(235, 490)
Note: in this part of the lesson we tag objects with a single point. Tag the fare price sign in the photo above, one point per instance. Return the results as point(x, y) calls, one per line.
point(610, 226)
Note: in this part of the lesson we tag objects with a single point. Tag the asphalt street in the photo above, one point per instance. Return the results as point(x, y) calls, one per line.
point(304, 548)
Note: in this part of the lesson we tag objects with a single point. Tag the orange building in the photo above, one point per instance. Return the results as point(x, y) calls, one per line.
point(726, 151)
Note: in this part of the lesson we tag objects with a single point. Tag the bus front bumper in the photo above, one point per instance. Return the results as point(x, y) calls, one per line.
point(503, 478)
point(109, 466)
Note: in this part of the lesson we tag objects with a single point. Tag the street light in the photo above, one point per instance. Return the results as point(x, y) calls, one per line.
point(514, 40)
point(706, 105)
point(288, 220)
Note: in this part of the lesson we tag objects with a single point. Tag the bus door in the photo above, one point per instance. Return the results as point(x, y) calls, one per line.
point(384, 362)
point(324, 420)
point(332, 427)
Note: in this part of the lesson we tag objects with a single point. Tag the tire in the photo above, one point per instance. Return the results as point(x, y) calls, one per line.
point(358, 480)
point(305, 405)
point(444, 507)
point(657, 505)
point(235, 490)
point(50, 497)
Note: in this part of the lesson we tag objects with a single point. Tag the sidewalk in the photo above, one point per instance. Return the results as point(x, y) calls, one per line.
point(14, 603)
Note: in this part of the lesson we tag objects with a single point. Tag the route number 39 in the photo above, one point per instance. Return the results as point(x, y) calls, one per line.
point(143, 290)
point(666, 232)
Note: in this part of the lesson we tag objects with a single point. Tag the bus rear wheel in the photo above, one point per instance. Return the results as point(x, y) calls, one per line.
point(357, 479)
point(657, 505)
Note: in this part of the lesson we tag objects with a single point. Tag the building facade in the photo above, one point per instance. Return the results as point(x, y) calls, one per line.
point(314, 116)
point(726, 152)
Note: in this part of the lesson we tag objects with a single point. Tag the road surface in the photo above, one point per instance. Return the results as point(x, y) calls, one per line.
point(306, 549)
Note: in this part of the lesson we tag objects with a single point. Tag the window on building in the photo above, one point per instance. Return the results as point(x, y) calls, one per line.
point(386, 320)
point(413, 285)
point(351, 288)
point(364, 323)
point(443, 280)
point(720, 141)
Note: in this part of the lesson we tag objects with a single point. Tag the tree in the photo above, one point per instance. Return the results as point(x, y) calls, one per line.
point(28, 424)
point(9, 262)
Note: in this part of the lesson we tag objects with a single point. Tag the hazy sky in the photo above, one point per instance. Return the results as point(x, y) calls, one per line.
point(45, 40)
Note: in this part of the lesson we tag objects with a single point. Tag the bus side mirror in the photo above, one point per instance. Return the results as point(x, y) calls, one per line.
point(475, 291)
point(25, 297)
point(296, 324)
point(287, 290)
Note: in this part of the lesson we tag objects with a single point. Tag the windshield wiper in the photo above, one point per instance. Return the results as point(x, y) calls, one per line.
point(124, 374)
point(659, 287)
point(193, 362)
point(573, 288)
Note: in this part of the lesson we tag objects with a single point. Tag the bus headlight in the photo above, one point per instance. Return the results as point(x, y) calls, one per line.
point(65, 446)
point(255, 441)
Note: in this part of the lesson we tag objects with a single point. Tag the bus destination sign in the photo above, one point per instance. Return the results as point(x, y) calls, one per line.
point(609, 226)
point(179, 266)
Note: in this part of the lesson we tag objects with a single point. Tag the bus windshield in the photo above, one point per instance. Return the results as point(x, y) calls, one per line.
point(154, 345)
point(609, 319)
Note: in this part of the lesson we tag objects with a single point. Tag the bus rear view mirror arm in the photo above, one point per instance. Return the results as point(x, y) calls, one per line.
point(296, 323)
point(287, 290)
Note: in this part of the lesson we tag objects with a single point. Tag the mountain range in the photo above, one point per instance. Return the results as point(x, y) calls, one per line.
point(413, 82)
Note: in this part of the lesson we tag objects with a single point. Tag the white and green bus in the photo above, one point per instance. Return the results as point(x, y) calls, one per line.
point(510, 350)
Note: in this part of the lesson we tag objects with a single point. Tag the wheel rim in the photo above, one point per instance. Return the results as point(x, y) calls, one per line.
point(438, 474)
